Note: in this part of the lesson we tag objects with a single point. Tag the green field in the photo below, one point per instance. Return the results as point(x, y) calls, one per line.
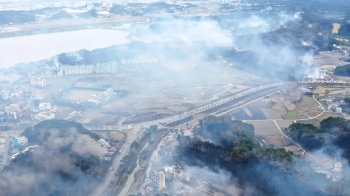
point(293, 115)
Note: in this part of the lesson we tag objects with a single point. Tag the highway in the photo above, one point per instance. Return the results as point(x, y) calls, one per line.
point(135, 129)
point(198, 110)
point(110, 176)
point(135, 132)
point(213, 104)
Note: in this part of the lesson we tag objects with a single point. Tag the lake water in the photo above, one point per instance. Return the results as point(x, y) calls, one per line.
point(26, 49)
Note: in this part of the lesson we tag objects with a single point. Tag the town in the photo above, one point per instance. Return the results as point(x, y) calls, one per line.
point(175, 98)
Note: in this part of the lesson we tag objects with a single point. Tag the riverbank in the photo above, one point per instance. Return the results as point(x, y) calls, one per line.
point(25, 49)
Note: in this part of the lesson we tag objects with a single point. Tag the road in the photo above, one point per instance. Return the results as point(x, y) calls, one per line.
point(135, 131)
point(291, 140)
point(125, 190)
point(131, 136)
point(4, 159)
point(110, 175)
point(198, 110)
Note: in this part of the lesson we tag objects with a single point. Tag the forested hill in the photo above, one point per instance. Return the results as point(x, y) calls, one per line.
point(331, 139)
point(333, 133)
point(230, 145)
point(342, 70)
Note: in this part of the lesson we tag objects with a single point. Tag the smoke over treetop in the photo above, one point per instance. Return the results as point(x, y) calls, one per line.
point(268, 51)
point(67, 161)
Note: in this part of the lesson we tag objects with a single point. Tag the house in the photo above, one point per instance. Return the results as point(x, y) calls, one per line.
point(20, 141)
point(44, 116)
point(44, 105)
point(5, 95)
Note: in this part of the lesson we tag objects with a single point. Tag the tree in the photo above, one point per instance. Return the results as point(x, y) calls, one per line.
point(152, 129)
point(134, 146)
point(327, 92)
point(347, 100)
point(342, 70)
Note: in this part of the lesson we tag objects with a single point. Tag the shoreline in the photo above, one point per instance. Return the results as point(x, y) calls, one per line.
point(31, 48)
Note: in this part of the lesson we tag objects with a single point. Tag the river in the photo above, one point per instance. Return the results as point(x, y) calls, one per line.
point(26, 49)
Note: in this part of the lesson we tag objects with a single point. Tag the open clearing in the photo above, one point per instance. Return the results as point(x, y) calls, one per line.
point(336, 27)
point(273, 114)
point(322, 90)
point(316, 122)
point(307, 106)
point(270, 133)
point(62, 82)
point(117, 135)
point(80, 95)
point(264, 128)
point(289, 106)
point(340, 91)
point(329, 60)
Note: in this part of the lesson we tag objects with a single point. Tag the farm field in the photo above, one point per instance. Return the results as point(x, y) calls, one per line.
point(264, 128)
point(270, 133)
point(292, 115)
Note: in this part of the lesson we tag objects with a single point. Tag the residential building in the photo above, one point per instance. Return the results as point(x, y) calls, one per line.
point(110, 67)
point(154, 176)
point(38, 82)
point(99, 68)
point(16, 93)
point(140, 60)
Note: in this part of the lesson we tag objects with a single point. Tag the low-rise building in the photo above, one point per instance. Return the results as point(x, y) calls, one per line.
point(338, 167)
point(20, 141)
point(45, 105)
point(5, 95)
point(16, 93)
point(44, 116)
point(12, 110)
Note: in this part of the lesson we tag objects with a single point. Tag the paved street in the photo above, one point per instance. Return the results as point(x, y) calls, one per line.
point(4, 160)
point(110, 176)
